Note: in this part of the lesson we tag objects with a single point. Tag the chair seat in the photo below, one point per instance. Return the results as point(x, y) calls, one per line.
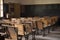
point(33, 30)
point(26, 33)
point(45, 26)
point(49, 25)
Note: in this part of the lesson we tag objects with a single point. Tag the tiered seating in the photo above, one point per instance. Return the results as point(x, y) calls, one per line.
point(6, 23)
point(31, 25)
point(46, 22)
point(24, 27)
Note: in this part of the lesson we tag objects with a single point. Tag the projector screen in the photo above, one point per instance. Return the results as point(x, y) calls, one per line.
point(1, 8)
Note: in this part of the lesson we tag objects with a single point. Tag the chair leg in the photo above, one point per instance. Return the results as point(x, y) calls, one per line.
point(26, 37)
point(33, 36)
point(37, 32)
point(19, 37)
point(43, 32)
point(53, 27)
point(48, 30)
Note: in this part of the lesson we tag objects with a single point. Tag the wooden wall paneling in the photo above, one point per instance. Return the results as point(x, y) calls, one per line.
point(17, 10)
point(14, 10)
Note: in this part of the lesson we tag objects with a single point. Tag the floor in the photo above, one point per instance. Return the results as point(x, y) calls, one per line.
point(53, 35)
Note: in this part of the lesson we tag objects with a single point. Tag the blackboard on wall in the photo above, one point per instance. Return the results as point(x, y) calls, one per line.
point(41, 10)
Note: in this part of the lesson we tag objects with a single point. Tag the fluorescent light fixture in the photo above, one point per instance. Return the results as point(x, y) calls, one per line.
point(1, 8)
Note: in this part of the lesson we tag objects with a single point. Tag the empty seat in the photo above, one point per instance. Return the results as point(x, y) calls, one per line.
point(23, 30)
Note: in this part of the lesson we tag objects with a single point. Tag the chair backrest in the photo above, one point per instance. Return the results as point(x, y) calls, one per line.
point(40, 25)
point(53, 20)
point(23, 20)
point(13, 20)
point(28, 28)
point(29, 18)
point(45, 21)
point(23, 29)
point(20, 29)
point(18, 21)
point(6, 20)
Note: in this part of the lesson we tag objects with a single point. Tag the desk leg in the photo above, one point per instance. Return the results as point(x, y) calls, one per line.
point(43, 32)
point(48, 29)
point(19, 37)
point(26, 37)
point(33, 36)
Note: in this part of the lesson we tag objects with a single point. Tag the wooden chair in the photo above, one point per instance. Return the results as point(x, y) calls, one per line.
point(18, 21)
point(7, 21)
point(30, 22)
point(23, 20)
point(23, 30)
point(35, 19)
point(42, 24)
point(54, 20)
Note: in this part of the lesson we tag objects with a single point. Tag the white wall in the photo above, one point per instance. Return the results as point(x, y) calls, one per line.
point(39, 1)
point(12, 1)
